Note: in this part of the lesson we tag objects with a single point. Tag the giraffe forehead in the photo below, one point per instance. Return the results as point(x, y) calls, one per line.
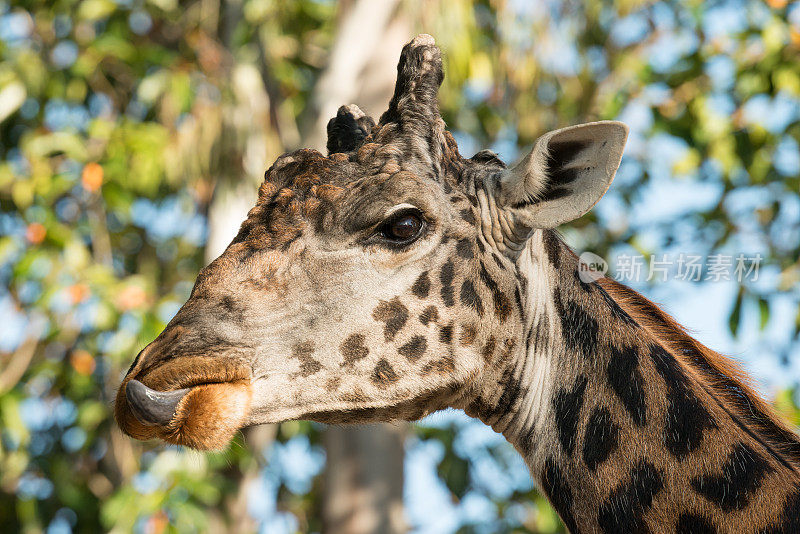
point(305, 174)
point(303, 170)
point(339, 196)
point(301, 187)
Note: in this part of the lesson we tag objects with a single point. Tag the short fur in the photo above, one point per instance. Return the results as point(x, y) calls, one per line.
point(314, 312)
point(721, 375)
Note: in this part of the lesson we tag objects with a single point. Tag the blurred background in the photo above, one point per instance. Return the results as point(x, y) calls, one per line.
point(134, 134)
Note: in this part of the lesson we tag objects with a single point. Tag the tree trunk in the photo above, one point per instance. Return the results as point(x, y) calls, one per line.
point(363, 486)
point(242, 153)
point(364, 479)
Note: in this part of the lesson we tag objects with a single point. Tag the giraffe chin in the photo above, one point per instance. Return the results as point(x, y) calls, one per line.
point(206, 417)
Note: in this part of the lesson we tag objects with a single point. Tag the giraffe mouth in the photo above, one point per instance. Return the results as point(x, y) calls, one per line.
point(198, 402)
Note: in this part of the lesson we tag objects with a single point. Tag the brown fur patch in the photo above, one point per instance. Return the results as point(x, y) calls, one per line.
point(508, 349)
point(356, 396)
point(443, 366)
point(468, 334)
point(308, 365)
point(428, 315)
point(414, 348)
point(393, 314)
point(208, 416)
point(353, 349)
point(333, 383)
point(384, 374)
point(488, 350)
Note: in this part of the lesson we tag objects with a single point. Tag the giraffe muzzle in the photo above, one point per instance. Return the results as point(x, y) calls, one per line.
point(195, 401)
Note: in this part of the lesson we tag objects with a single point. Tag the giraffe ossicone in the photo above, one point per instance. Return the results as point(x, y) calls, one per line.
point(393, 278)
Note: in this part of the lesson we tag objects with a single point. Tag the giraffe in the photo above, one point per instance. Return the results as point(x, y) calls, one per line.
point(393, 278)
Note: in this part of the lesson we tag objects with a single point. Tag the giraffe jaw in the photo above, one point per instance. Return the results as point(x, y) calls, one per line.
point(402, 405)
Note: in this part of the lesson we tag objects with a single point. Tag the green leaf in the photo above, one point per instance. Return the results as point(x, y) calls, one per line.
point(736, 313)
point(763, 308)
point(96, 9)
point(454, 472)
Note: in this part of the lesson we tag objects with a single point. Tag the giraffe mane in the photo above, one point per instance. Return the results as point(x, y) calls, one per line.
point(720, 376)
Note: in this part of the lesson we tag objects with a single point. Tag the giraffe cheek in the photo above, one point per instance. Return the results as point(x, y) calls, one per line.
point(209, 416)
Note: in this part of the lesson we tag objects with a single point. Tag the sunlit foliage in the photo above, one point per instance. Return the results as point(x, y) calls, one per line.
point(117, 118)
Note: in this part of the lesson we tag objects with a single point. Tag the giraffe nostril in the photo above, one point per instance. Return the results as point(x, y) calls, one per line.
point(153, 407)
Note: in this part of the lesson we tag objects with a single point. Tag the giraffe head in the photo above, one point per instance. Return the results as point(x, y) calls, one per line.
point(367, 285)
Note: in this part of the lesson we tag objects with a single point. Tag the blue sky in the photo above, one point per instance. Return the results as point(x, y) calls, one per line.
point(704, 308)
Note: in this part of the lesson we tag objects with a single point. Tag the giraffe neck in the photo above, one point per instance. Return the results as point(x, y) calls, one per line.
point(628, 427)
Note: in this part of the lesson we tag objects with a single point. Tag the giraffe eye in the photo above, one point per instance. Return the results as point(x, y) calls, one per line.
point(402, 228)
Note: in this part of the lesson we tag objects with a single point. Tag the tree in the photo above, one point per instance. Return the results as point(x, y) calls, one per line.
point(127, 129)
point(363, 480)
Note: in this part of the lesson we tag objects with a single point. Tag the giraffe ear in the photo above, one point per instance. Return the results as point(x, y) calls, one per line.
point(563, 177)
point(348, 129)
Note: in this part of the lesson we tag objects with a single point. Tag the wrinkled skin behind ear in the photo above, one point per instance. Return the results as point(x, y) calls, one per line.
point(562, 178)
